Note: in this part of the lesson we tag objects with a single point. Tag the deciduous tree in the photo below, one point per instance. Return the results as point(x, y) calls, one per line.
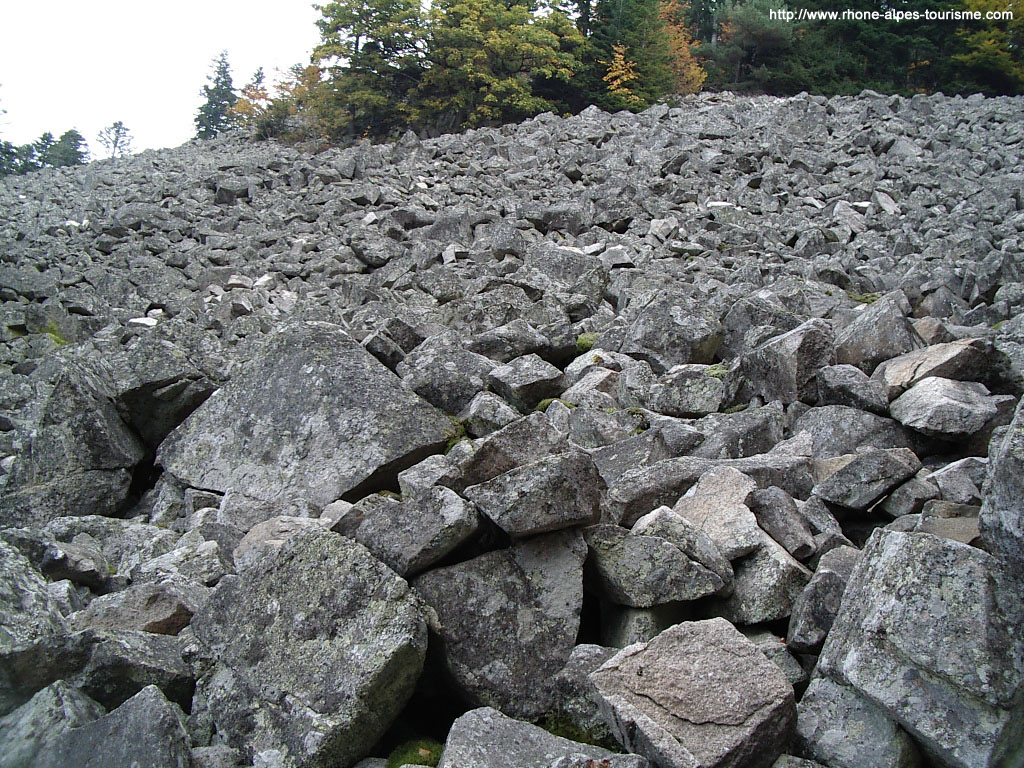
point(116, 139)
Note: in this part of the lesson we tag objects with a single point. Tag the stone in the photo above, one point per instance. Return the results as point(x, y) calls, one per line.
point(880, 332)
point(774, 649)
point(867, 477)
point(689, 390)
point(312, 654)
point(526, 380)
point(1001, 522)
point(717, 505)
point(485, 738)
point(265, 538)
point(784, 367)
point(642, 571)
point(350, 419)
point(575, 697)
point(147, 730)
point(666, 330)
point(961, 360)
point(508, 620)
point(927, 630)
point(815, 609)
point(32, 728)
point(559, 491)
point(687, 537)
point(777, 515)
point(836, 430)
point(698, 694)
point(165, 607)
point(412, 534)
point(850, 386)
point(444, 373)
point(842, 729)
point(944, 408)
point(487, 413)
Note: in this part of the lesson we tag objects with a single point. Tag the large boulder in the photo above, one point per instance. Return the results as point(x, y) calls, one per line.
point(929, 631)
point(507, 620)
point(31, 729)
point(1002, 517)
point(699, 695)
point(314, 416)
point(313, 652)
point(945, 408)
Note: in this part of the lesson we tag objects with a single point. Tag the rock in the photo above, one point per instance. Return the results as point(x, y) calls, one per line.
point(642, 571)
point(815, 609)
point(145, 730)
point(784, 367)
point(1001, 523)
point(910, 497)
point(879, 333)
point(77, 459)
point(690, 390)
point(848, 385)
point(774, 649)
point(687, 537)
point(944, 408)
point(444, 373)
point(777, 515)
point(717, 506)
point(927, 631)
point(575, 697)
point(352, 423)
point(961, 360)
point(707, 697)
point(666, 330)
point(527, 380)
point(412, 534)
point(31, 729)
point(836, 430)
point(163, 607)
point(558, 491)
point(844, 730)
point(508, 620)
point(485, 738)
point(867, 477)
point(266, 538)
point(487, 413)
point(313, 653)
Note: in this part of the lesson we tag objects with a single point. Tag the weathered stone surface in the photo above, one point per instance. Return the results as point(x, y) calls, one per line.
point(777, 515)
point(717, 506)
point(412, 534)
point(928, 631)
point(165, 607)
point(349, 418)
point(842, 729)
point(485, 738)
point(848, 385)
point(815, 609)
point(962, 360)
point(444, 373)
point(487, 413)
point(836, 430)
point(1001, 521)
point(944, 408)
point(784, 367)
point(146, 730)
point(526, 381)
point(689, 538)
point(575, 697)
point(642, 571)
point(558, 491)
point(314, 652)
point(31, 729)
point(880, 332)
point(690, 390)
point(269, 536)
point(699, 694)
point(868, 476)
point(508, 619)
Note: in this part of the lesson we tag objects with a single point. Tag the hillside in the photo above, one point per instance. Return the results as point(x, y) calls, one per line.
point(695, 432)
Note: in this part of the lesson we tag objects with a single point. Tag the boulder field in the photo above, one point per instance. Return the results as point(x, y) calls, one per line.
point(682, 439)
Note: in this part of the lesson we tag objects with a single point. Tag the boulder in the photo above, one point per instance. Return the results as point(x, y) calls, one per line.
point(349, 420)
point(526, 380)
point(962, 360)
point(945, 408)
point(31, 729)
point(815, 609)
point(164, 606)
point(312, 654)
point(850, 386)
point(717, 506)
point(777, 515)
point(867, 477)
point(444, 373)
point(880, 332)
point(784, 367)
point(1001, 521)
point(698, 694)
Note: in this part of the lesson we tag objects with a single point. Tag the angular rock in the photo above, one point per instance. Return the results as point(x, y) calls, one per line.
point(162, 607)
point(32, 728)
point(777, 515)
point(527, 380)
point(485, 738)
point(691, 540)
point(1001, 521)
point(928, 631)
point(868, 476)
point(147, 730)
point(836, 430)
point(575, 697)
point(558, 491)
point(699, 694)
point(508, 620)
point(814, 611)
point(717, 506)
point(351, 423)
point(667, 330)
point(269, 536)
point(487, 413)
point(961, 360)
point(842, 729)
point(879, 333)
point(444, 373)
point(313, 653)
point(848, 385)
point(944, 408)
point(784, 367)
point(689, 390)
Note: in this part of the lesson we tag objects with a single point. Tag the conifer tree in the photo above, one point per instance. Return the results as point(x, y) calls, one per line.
point(116, 139)
point(213, 117)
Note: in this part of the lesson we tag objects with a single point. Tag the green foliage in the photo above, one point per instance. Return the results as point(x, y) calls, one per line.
point(456, 434)
point(418, 752)
point(213, 117)
point(116, 139)
point(863, 298)
point(53, 331)
point(717, 371)
point(70, 149)
point(560, 725)
point(45, 152)
point(586, 341)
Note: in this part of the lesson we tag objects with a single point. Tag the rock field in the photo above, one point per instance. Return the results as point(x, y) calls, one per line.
point(693, 435)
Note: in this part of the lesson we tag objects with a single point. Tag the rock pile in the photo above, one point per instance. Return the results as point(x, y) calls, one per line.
point(694, 433)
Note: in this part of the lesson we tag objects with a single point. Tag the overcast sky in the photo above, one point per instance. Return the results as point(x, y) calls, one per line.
point(84, 64)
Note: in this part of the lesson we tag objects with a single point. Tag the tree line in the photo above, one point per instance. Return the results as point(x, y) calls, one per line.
point(384, 66)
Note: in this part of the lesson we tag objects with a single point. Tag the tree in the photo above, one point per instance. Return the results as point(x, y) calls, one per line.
point(116, 139)
point(688, 75)
point(70, 149)
point(995, 49)
point(213, 117)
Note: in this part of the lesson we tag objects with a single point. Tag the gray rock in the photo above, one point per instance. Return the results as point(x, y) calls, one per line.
point(444, 373)
point(699, 694)
point(690, 390)
point(165, 607)
point(575, 697)
point(350, 420)
point(815, 609)
point(927, 630)
point(146, 730)
point(844, 730)
point(508, 619)
point(774, 649)
point(527, 380)
point(717, 505)
point(944, 408)
point(836, 430)
point(880, 332)
point(848, 385)
point(690, 539)
point(556, 492)
point(313, 653)
point(867, 477)
point(412, 534)
point(485, 738)
point(622, 625)
point(962, 360)
point(666, 330)
point(777, 515)
point(266, 538)
point(784, 367)
point(1001, 524)
point(910, 497)
point(487, 413)
point(642, 571)
point(31, 729)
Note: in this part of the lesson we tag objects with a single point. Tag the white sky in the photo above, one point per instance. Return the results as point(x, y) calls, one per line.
point(84, 64)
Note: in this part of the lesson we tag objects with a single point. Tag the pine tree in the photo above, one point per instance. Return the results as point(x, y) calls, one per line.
point(70, 149)
point(116, 139)
point(213, 117)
